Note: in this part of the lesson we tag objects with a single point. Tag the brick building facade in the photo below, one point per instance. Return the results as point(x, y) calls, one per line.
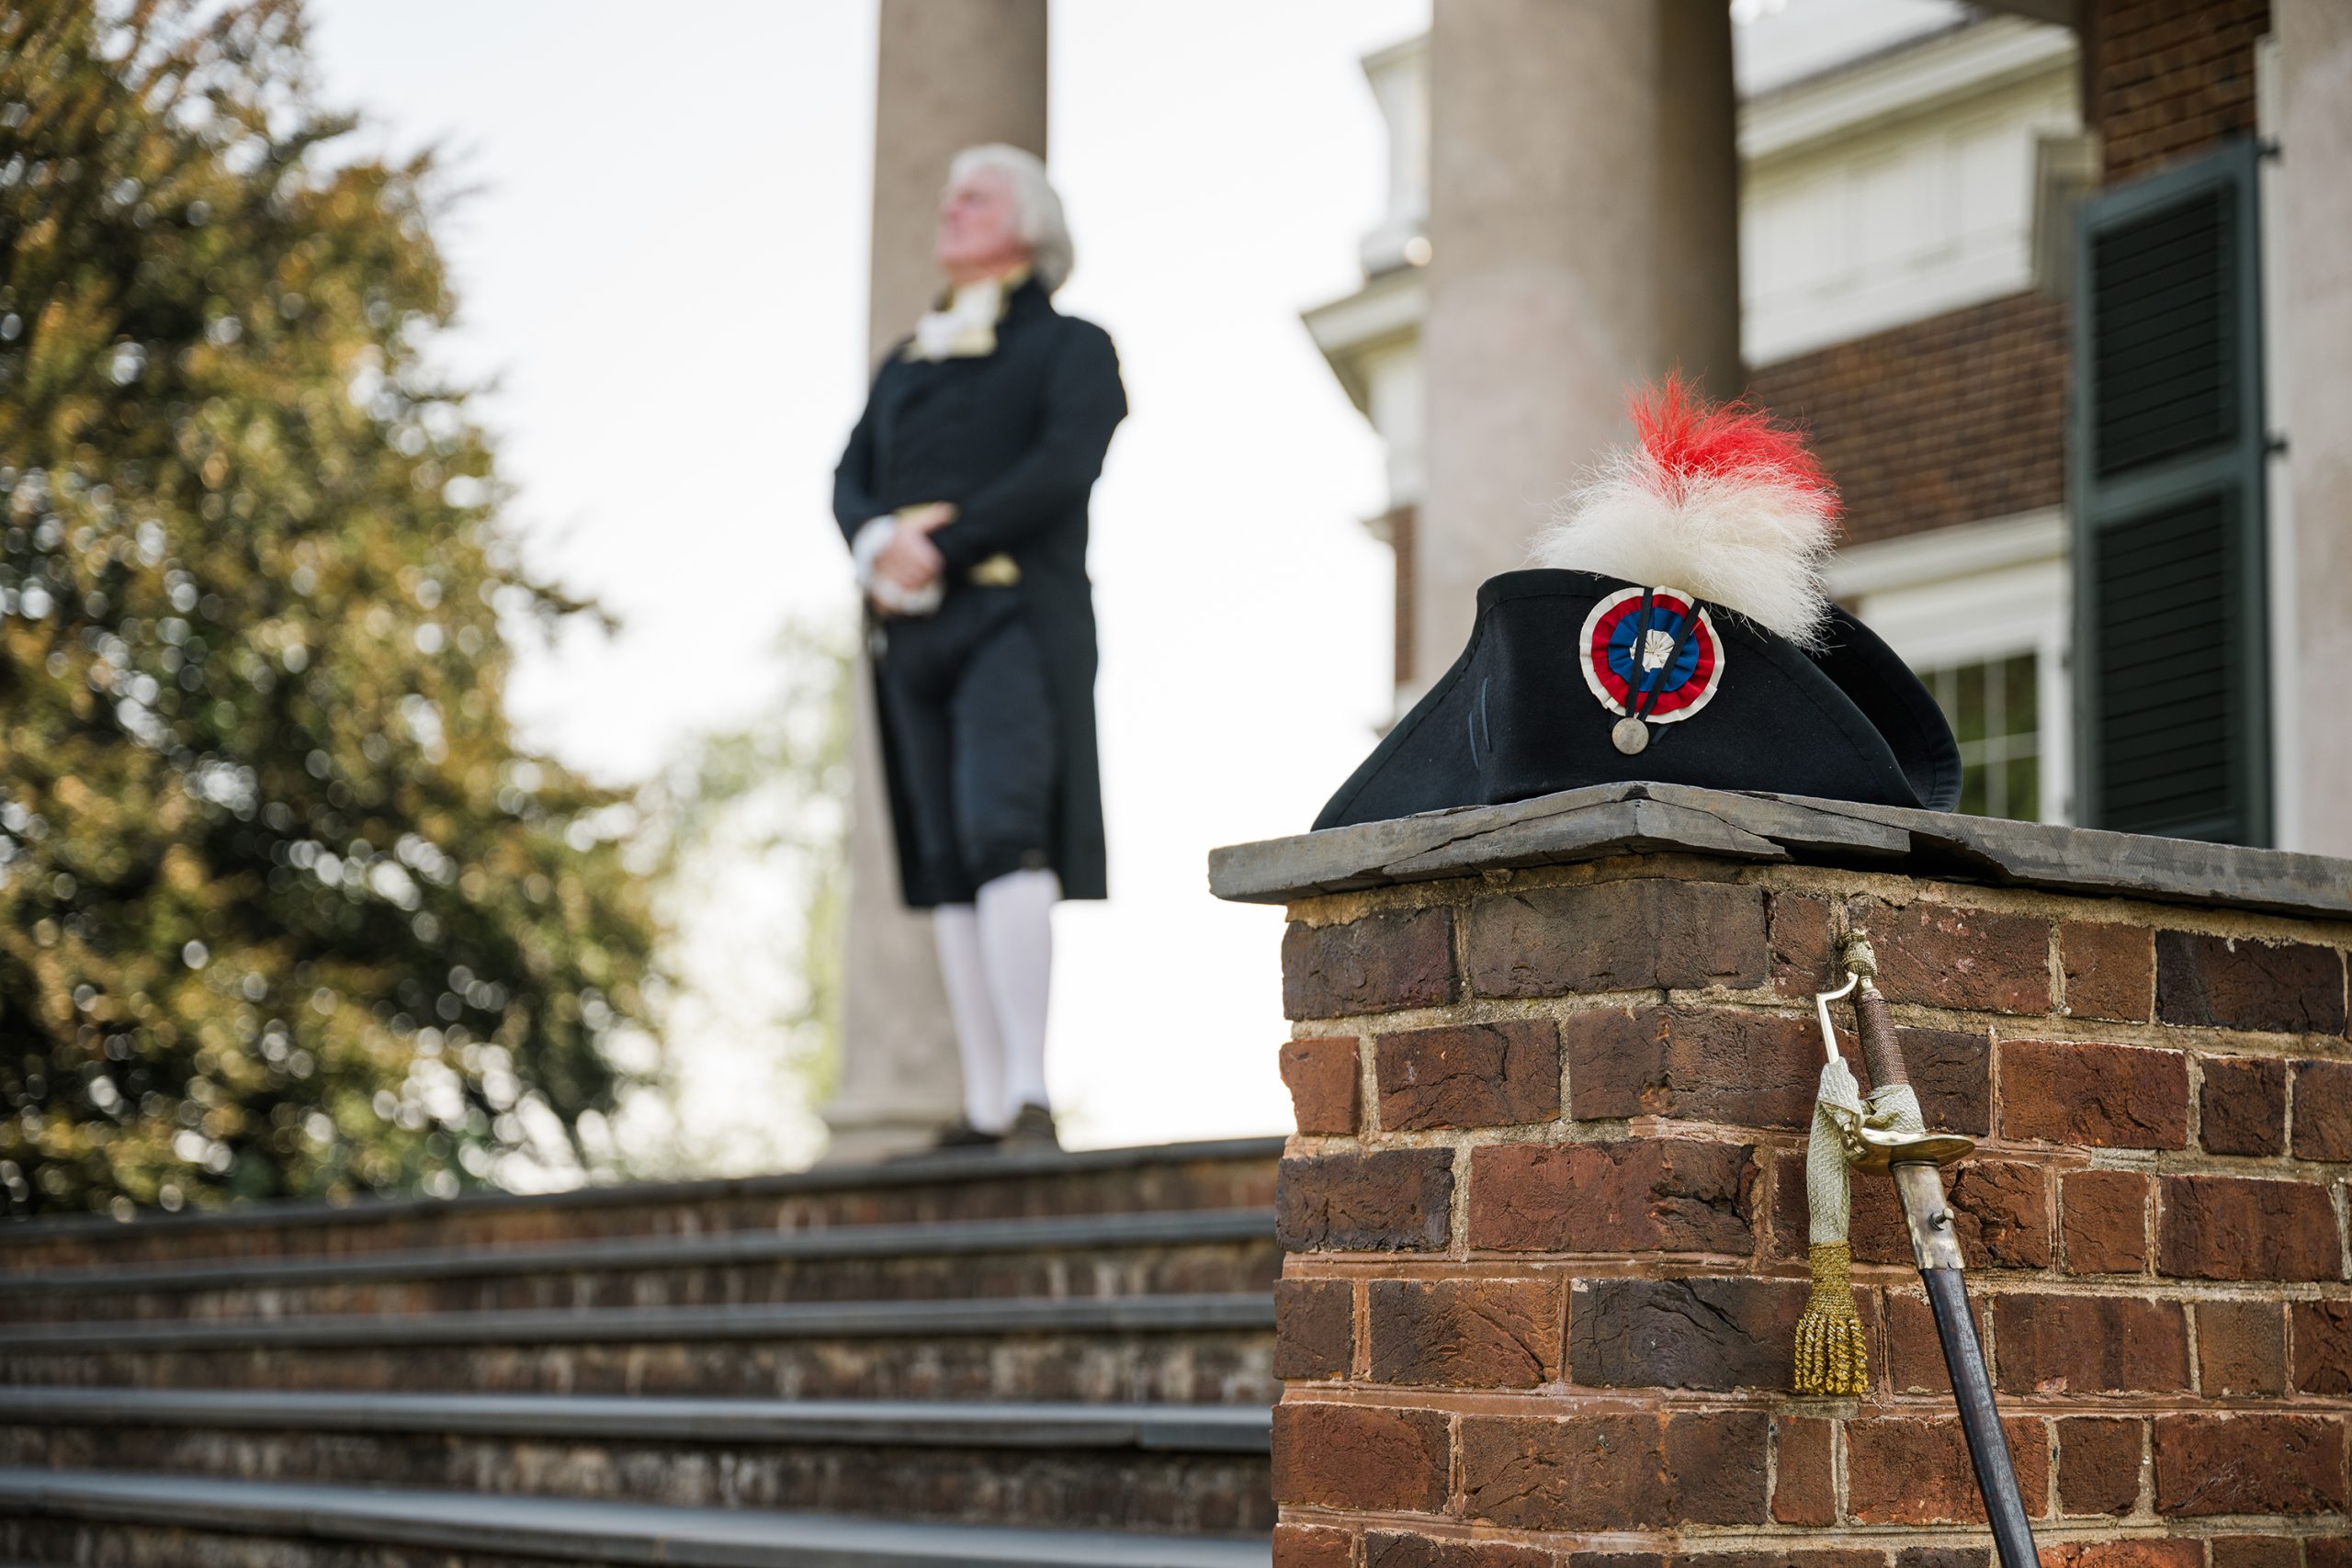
point(1935, 424)
point(2167, 79)
point(1911, 210)
point(1961, 417)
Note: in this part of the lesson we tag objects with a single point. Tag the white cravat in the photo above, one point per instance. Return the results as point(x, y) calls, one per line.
point(965, 327)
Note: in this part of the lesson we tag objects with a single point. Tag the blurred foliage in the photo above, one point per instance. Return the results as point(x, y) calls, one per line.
point(767, 802)
point(283, 910)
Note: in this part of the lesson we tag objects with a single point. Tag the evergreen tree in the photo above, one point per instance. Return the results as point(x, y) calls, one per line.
point(283, 910)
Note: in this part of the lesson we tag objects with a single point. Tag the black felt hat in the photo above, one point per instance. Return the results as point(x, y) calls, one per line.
point(1522, 712)
point(1676, 633)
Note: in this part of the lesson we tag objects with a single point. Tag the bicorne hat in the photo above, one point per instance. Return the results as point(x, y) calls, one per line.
point(1674, 628)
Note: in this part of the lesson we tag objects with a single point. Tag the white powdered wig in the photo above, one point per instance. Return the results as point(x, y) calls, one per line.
point(1035, 201)
point(1719, 502)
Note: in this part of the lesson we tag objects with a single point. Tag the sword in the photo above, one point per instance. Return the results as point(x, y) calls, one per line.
point(1895, 1139)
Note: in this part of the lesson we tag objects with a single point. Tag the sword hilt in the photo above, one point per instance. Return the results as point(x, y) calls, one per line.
point(1855, 956)
point(1880, 1054)
point(1883, 1058)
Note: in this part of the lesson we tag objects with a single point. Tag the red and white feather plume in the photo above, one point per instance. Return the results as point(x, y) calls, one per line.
point(1721, 501)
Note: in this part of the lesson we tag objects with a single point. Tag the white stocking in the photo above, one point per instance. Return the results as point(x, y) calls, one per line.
point(956, 928)
point(1017, 941)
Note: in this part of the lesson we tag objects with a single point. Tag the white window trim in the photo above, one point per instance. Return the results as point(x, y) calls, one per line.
point(1925, 117)
point(1978, 591)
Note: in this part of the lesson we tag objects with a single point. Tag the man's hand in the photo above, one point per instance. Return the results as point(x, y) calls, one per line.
point(910, 560)
point(927, 518)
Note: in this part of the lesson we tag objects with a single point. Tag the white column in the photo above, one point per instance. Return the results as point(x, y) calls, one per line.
point(948, 74)
point(1584, 233)
point(2312, 333)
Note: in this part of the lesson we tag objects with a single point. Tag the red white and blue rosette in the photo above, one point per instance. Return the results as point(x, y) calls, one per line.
point(1628, 651)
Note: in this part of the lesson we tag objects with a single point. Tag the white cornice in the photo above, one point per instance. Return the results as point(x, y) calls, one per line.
point(1404, 51)
point(1965, 64)
point(1963, 549)
point(1386, 311)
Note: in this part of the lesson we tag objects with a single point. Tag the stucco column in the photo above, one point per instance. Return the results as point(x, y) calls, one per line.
point(1584, 230)
point(2312, 335)
point(948, 74)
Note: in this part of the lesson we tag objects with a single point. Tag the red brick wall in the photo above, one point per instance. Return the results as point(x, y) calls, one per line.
point(1956, 419)
point(2164, 79)
point(1546, 1231)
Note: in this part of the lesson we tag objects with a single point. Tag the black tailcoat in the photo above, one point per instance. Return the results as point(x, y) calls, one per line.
point(1015, 441)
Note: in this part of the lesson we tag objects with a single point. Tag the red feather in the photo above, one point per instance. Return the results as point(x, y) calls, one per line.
point(1690, 438)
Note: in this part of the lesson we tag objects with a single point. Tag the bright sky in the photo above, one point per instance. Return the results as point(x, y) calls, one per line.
point(665, 266)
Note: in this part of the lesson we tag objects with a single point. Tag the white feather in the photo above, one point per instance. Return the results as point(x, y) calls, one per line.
point(1751, 545)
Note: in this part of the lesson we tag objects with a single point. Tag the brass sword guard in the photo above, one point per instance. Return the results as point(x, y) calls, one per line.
point(1881, 1148)
point(1884, 1151)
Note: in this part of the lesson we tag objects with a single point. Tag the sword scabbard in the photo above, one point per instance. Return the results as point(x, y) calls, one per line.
point(1979, 1421)
point(1935, 1241)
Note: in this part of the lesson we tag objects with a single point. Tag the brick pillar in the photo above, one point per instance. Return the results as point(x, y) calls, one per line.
point(1545, 1216)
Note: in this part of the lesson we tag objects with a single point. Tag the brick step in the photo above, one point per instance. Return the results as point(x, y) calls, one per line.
point(1193, 1469)
point(1078, 1255)
point(55, 1518)
point(1170, 1428)
point(1208, 1348)
point(1234, 1173)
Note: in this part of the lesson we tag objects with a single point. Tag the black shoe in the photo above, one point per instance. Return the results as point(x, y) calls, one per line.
point(964, 1135)
point(1032, 1128)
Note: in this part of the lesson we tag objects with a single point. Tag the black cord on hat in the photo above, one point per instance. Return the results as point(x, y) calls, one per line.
point(1645, 699)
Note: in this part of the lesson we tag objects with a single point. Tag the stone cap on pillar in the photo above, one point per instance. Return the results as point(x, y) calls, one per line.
point(1657, 818)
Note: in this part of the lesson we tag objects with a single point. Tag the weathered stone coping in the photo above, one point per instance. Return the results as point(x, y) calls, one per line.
point(1638, 819)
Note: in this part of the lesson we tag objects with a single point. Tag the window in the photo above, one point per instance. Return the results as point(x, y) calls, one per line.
point(1980, 612)
point(2168, 447)
point(1995, 709)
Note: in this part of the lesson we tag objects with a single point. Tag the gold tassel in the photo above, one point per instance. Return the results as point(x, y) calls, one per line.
point(1831, 1356)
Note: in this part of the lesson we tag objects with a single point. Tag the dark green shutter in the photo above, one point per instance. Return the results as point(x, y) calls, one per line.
point(2167, 452)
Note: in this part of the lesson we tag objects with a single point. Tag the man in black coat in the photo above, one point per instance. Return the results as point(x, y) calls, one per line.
point(962, 494)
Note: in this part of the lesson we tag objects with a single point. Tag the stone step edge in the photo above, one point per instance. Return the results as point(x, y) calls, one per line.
point(589, 1532)
point(762, 1320)
point(915, 1171)
point(1156, 1428)
point(689, 1249)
